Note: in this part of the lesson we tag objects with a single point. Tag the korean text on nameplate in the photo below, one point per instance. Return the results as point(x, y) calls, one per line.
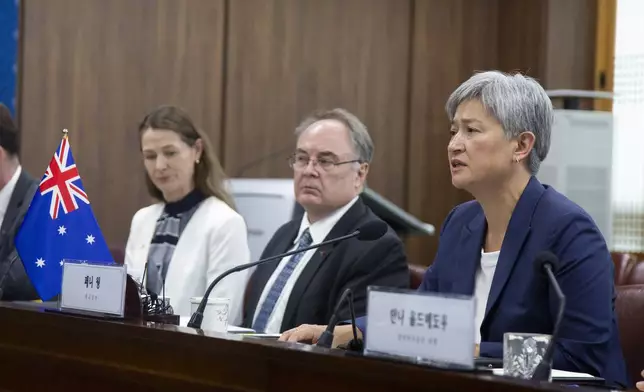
point(94, 287)
point(419, 325)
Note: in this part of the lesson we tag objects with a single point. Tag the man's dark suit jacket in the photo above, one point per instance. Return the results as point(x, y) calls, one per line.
point(351, 263)
point(17, 286)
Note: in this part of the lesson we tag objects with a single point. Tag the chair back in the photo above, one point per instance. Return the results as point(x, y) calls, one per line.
point(629, 268)
point(635, 274)
point(629, 309)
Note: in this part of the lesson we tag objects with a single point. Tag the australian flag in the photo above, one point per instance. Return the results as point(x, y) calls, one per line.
point(59, 225)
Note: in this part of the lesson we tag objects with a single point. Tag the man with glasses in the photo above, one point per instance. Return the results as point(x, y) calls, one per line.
point(330, 166)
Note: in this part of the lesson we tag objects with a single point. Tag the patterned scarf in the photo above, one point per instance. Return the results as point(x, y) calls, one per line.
point(169, 227)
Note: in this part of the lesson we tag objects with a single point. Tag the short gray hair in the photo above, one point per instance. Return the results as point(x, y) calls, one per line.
point(360, 139)
point(518, 103)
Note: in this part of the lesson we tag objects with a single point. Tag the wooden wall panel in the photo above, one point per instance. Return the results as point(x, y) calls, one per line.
point(451, 40)
point(549, 39)
point(604, 49)
point(570, 57)
point(249, 70)
point(522, 42)
point(96, 67)
point(289, 57)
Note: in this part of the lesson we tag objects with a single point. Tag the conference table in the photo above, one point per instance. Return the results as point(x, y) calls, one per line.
point(41, 350)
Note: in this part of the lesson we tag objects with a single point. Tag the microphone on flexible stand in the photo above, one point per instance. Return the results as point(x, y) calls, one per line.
point(147, 299)
point(160, 312)
point(546, 262)
point(355, 344)
point(368, 232)
point(163, 301)
point(145, 270)
point(326, 339)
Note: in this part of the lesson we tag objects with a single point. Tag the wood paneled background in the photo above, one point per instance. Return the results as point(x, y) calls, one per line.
point(248, 71)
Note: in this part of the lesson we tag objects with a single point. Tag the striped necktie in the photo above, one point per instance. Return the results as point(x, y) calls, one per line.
point(276, 290)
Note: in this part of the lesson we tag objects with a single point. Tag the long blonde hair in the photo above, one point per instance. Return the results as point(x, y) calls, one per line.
point(209, 176)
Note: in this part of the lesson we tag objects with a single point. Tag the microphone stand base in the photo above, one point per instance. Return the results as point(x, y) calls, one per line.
point(325, 340)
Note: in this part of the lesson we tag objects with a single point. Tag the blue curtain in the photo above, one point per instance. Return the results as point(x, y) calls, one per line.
point(9, 52)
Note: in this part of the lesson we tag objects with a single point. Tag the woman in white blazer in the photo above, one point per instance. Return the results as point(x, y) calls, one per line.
point(193, 233)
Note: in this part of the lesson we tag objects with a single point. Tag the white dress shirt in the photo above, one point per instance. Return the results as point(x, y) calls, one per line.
point(482, 286)
point(318, 230)
point(6, 192)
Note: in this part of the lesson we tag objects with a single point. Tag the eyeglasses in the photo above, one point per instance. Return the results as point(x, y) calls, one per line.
point(300, 162)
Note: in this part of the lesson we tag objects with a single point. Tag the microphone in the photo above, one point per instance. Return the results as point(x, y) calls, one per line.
point(145, 270)
point(155, 309)
point(158, 306)
point(326, 339)
point(370, 231)
point(546, 262)
point(162, 287)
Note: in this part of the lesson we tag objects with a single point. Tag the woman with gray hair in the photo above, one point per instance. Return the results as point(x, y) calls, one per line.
point(500, 133)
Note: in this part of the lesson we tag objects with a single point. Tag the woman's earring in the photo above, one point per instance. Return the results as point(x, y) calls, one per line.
point(197, 161)
point(516, 159)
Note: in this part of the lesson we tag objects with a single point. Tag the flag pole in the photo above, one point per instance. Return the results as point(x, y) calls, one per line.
point(65, 133)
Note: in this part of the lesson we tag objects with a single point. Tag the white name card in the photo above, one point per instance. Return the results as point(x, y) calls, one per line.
point(94, 287)
point(420, 326)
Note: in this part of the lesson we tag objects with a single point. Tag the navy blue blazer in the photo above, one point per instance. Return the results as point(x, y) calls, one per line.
point(520, 299)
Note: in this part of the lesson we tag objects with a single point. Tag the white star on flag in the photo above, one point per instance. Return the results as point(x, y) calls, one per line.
point(61, 263)
point(40, 262)
point(62, 230)
point(90, 239)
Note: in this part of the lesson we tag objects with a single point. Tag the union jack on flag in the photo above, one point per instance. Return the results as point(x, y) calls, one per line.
point(48, 236)
point(59, 179)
